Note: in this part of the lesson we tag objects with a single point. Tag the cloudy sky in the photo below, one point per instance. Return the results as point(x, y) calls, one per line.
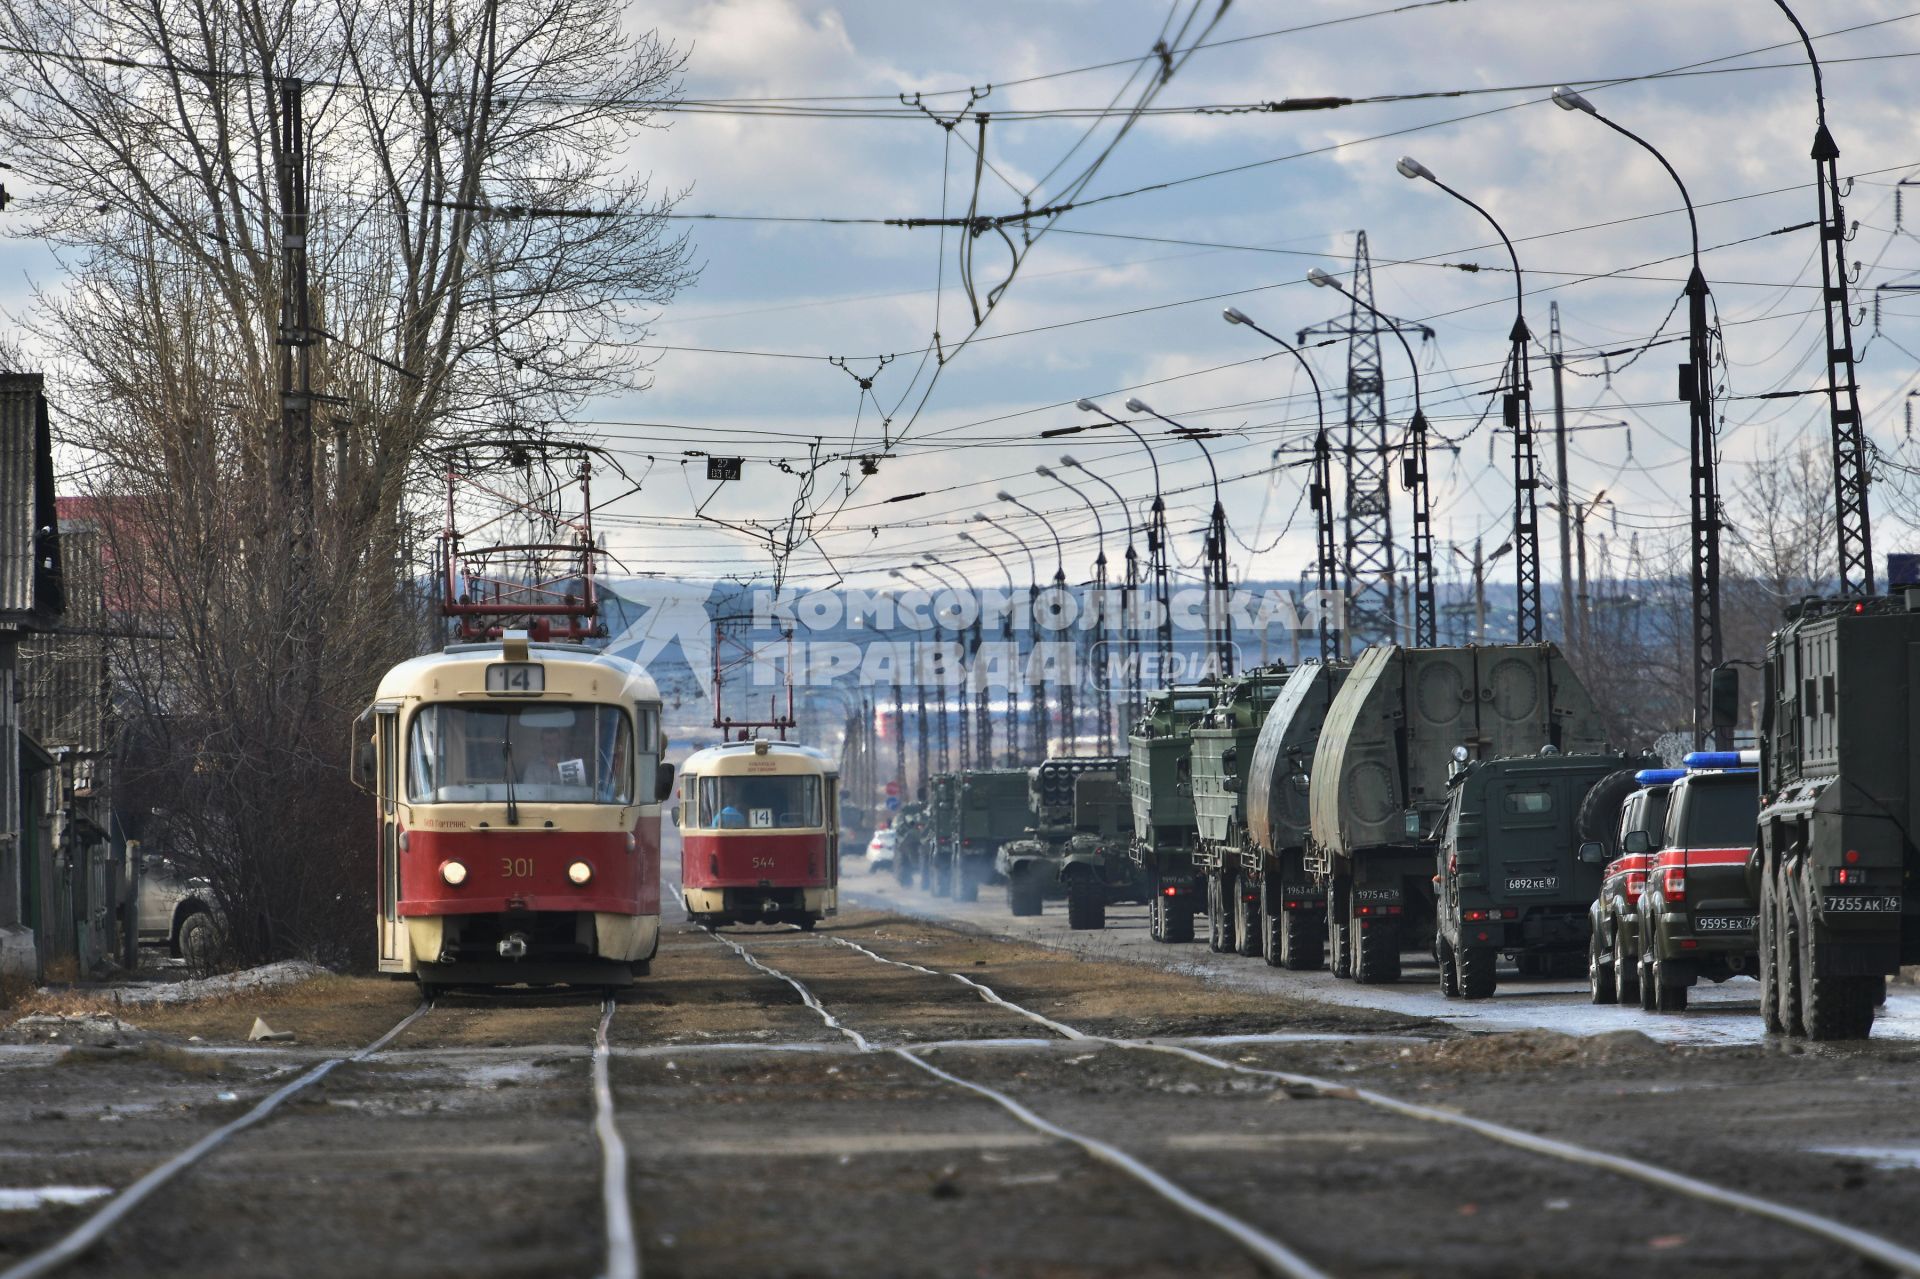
point(1193, 212)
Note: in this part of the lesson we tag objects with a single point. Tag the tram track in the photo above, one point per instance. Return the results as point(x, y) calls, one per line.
point(1878, 1250)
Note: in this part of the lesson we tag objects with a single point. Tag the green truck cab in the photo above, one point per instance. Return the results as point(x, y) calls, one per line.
point(1031, 864)
point(1223, 744)
point(1380, 770)
point(1093, 863)
point(1698, 914)
point(1512, 877)
point(1293, 907)
point(1613, 945)
point(992, 809)
point(1837, 864)
point(1160, 784)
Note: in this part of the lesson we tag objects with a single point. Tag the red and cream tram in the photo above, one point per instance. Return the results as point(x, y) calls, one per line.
point(519, 788)
point(759, 834)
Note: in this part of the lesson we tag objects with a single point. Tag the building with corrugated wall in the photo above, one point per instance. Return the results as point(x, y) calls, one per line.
point(32, 600)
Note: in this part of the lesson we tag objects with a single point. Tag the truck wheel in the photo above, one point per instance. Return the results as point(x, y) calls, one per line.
point(1339, 943)
point(1302, 947)
point(1179, 919)
point(1669, 996)
point(902, 871)
point(938, 874)
point(1477, 977)
point(199, 943)
point(1449, 974)
point(1248, 937)
point(1157, 915)
point(1086, 905)
point(1786, 939)
point(966, 885)
point(1600, 986)
point(1832, 1006)
point(1626, 975)
point(1023, 892)
point(1769, 957)
point(1219, 926)
point(1376, 951)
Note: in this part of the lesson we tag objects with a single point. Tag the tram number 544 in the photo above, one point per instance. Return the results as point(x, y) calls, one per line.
point(516, 867)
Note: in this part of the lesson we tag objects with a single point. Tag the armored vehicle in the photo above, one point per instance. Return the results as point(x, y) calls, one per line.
point(1840, 787)
point(1380, 777)
point(992, 809)
point(1613, 945)
point(1160, 782)
point(1093, 862)
point(1293, 907)
point(1512, 876)
point(1223, 742)
point(1698, 911)
point(943, 831)
point(1032, 863)
point(910, 844)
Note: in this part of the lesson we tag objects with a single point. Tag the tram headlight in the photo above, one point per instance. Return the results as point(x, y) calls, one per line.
point(579, 872)
point(454, 873)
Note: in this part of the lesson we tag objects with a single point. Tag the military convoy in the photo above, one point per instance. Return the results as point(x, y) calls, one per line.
point(1464, 800)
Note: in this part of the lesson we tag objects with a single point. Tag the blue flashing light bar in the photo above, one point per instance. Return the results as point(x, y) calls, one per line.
point(1659, 776)
point(1721, 759)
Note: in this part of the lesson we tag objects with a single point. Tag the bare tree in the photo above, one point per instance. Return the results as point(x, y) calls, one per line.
point(276, 547)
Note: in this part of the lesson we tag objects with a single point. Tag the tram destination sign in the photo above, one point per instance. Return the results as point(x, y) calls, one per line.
point(513, 678)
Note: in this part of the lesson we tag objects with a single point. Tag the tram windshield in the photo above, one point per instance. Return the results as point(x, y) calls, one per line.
point(459, 754)
point(760, 803)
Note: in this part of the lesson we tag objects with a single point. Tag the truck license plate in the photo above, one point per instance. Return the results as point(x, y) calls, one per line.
point(1724, 923)
point(1533, 883)
point(1857, 904)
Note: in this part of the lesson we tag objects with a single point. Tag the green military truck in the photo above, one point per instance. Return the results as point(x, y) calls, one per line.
point(1160, 784)
point(1698, 911)
point(1093, 862)
point(1223, 742)
point(1380, 778)
point(1512, 876)
point(1293, 908)
point(1840, 807)
point(1031, 864)
point(992, 809)
point(943, 832)
point(1613, 945)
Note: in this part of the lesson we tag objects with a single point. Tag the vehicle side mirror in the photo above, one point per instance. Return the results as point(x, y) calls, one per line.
point(1593, 851)
point(1723, 696)
point(1637, 841)
point(662, 781)
point(364, 764)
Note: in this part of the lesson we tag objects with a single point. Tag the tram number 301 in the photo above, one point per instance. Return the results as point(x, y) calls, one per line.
point(516, 867)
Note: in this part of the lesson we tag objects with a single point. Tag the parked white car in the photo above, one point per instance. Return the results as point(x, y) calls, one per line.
point(880, 851)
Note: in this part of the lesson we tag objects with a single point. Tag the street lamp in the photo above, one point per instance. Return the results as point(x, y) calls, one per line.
point(920, 694)
point(1219, 621)
point(1013, 687)
point(982, 753)
point(1413, 476)
point(1332, 642)
point(1104, 715)
point(1157, 569)
point(960, 711)
point(1127, 590)
point(1067, 682)
point(1037, 716)
point(1519, 418)
point(1696, 388)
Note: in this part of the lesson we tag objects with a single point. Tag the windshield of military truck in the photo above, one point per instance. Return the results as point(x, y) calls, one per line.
point(1717, 814)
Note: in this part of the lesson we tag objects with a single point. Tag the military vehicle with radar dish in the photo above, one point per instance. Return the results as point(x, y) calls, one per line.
point(1380, 778)
point(1160, 783)
point(1698, 911)
point(1613, 946)
point(1223, 741)
point(1293, 908)
point(1032, 863)
point(1837, 873)
point(1511, 875)
point(992, 809)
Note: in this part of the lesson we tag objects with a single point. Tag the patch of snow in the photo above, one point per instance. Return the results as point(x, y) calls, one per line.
point(26, 1200)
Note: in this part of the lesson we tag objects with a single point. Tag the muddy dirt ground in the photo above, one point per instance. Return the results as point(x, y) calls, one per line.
point(763, 1143)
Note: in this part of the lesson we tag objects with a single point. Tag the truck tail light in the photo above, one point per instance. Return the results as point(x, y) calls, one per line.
point(1673, 883)
point(1850, 875)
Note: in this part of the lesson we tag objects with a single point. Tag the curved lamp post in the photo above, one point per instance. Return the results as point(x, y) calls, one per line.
point(924, 738)
point(1157, 570)
point(1219, 621)
point(1013, 690)
point(1131, 708)
point(1065, 685)
point(1037, 714)
point(1103, 718)
point(1519, 420)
